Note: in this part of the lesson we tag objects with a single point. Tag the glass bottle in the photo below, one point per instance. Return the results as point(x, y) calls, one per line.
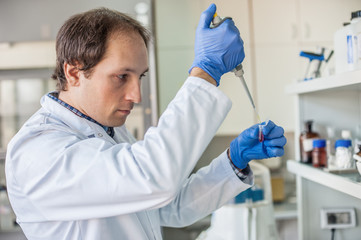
point(343, 157)
point(306, 139)
point(330, 146)
point(357, 155)
point(319, 155)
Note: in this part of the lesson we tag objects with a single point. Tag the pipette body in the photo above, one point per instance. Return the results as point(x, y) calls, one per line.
point(238, 71)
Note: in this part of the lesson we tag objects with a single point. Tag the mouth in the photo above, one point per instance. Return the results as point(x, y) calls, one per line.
point(124, 112)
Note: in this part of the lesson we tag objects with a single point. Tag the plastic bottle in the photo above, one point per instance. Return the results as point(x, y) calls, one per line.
point(357, 149)
point(357, 139)
point(356, 38)
point(306, 139)
point(346, 134)
point(342, 38)
point(330, 146)
point(330, 143)
point(357, 155)
point(347, 45)
point(319, 155)
point(343, 156)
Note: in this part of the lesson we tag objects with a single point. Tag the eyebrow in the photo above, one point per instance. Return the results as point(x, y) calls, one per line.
point(133, 70)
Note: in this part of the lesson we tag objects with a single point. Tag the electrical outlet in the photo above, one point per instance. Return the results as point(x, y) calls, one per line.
point(338, 218)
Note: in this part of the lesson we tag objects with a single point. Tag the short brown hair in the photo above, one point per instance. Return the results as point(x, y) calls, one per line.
point(82, 40)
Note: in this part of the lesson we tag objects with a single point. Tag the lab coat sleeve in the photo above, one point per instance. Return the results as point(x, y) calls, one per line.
point(204, 192)
point(54, 173)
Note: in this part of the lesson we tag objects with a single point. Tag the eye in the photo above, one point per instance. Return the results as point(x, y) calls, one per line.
point(142, 76)
point(122, 76)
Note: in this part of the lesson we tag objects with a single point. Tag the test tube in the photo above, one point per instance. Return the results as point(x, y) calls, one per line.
point(260, 133)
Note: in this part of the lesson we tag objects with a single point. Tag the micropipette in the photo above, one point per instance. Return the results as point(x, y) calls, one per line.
point(238, 71)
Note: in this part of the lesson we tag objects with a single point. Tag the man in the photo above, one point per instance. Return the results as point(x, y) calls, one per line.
point(74, 171)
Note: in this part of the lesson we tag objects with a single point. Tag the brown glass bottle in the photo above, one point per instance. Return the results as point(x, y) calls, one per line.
point(306, 139)
point(319, 155)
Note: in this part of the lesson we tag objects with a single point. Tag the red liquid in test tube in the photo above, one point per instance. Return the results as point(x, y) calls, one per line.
point(260, 133)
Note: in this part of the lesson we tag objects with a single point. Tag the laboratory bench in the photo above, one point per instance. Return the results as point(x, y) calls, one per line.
point(285, 210)
point(285, 214)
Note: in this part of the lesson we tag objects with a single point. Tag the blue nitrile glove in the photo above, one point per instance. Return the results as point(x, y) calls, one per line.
point(247, 147)
point(217, 50)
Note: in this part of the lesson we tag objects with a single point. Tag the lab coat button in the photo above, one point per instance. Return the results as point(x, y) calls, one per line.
point(100, 135)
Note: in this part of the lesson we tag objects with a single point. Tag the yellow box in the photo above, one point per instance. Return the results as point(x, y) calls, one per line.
point(278, 189)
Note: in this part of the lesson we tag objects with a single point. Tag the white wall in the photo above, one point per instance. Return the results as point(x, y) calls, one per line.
point(274, 33)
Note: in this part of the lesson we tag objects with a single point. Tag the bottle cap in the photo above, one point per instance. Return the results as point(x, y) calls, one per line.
point(346, 134)
point(319, 143)
point(343, 143)
point(308, 125)
point(356, 14)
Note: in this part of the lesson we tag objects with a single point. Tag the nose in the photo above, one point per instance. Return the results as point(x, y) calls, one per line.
point(133, 91)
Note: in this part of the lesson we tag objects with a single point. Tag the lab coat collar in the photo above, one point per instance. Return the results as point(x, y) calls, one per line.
point(84, 126)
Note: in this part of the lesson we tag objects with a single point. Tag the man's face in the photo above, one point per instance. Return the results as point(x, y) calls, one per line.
point(109, 94)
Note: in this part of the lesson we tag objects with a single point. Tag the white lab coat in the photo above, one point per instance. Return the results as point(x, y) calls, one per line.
point(67, 179)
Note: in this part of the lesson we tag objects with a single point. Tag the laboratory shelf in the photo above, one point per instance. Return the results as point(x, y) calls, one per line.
point(348, 183)
point(348, 81)
point(286, 210)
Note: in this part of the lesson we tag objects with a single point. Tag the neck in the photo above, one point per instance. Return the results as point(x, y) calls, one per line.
point(67, 96)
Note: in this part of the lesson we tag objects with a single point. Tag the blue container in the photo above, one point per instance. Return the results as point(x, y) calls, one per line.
point(319, 143)
point(343, 143)
point(257, 194)
point(243, 196)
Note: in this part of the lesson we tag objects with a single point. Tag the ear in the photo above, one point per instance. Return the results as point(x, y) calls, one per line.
point(72, 74)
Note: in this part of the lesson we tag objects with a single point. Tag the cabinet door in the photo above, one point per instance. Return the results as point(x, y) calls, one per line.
point(176, 24)
point(276, 56)
point(275, 21)
point(276, 67)
point(320, 19)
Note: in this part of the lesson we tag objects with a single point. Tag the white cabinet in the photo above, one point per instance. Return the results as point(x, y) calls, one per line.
point(333, 101)
point(320, 19)
point(274, 33)
point(176, 23)
point(282, 28)
point(275, 21)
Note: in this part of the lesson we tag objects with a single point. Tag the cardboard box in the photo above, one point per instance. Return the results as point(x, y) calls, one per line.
point(278, 189)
